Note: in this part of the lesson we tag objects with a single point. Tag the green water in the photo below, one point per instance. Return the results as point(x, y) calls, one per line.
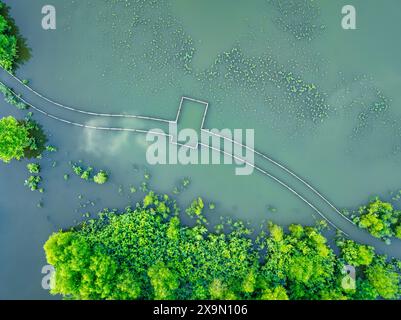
point(141, 57)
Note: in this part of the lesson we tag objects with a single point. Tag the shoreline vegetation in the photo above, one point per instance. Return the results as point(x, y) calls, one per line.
point(147, 253)
point(18, 138)
point(14, 50)
point(12, 98)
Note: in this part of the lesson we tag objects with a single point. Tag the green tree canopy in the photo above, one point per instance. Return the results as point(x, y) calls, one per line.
point(148, 253)
point(8, 44)
point(164, 281)
point(380, 219)
point(14, 139)
point(384, 279)
point(101, 177)
point(356, 254)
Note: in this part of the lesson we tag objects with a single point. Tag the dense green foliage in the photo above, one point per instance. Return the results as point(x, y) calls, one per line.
point(147, 253)
point(19, 139)
point(33, 168)
point(355, 254)
point(14, 139)
point(101, 177)
point(302, 260)
point(378, 278)
point(8, 44)
point(380, 219)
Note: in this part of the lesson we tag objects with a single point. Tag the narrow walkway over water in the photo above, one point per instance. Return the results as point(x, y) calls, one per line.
point(264, 164)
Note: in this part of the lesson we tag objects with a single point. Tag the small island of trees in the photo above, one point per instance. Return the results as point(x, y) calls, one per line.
point(101, 177)
point(17, 139)
point(380, 219)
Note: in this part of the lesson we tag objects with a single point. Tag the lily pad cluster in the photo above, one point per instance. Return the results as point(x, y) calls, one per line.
point(86, 173)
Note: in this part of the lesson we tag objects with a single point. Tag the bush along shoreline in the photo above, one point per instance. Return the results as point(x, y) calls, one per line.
point(380, 219)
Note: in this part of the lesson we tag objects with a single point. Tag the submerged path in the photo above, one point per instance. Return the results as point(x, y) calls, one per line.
point(336, 219)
